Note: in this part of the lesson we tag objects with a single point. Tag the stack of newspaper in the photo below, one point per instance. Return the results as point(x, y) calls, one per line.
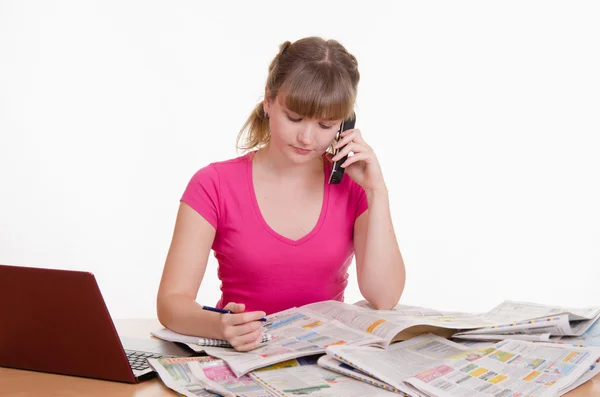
point(208, 377)
point(510, 319)
point(530, 321)
point(426, 365)
point(429, 365)
point(357, 345)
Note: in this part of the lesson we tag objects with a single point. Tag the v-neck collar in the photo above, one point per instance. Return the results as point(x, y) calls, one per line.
point(263, 222)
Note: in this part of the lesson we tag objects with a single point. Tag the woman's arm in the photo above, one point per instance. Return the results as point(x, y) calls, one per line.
point(184, 270)
point(379, 264)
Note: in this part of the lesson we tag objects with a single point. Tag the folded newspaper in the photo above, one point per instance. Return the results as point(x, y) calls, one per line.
point(359, 343)
point(428, 365)
point(304, 377)
point(208, 377)
point(510, 319)
point(534, 322)
point(204, 377)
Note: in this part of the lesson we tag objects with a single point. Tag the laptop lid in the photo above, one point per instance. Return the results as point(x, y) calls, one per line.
point(57, 321)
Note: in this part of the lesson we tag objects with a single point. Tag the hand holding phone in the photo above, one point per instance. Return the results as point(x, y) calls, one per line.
point(337, 171)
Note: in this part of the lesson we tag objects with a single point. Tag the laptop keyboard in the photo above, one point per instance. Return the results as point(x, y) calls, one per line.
point(138, 360)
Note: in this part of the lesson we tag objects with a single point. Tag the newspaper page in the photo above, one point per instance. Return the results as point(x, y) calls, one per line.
point(512, 311)
point(416, 311)
point(295, 333)
point(510, 317)
point(458, 320)
point(580, 327)
point(539, 329)
point(205, 376)
point(473, 344)
point(332, 364)
point(532, 337)
point(507, 368)
point(177, 376)
point(390, 325)
point(505, 315)
point(314, 380)
point(400, 361)
point(218, 377)
point(593, 371)
point(591, 337)
point(554, 326)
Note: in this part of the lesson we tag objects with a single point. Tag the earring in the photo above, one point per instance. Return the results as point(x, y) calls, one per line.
point(266, 115)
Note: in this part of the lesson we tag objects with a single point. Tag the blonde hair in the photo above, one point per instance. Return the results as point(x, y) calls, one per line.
point(316, 78)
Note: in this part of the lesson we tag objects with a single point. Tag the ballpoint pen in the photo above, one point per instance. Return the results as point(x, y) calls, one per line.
point(214, 309)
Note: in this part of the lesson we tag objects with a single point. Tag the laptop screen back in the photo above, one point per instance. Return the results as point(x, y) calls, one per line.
point(57, 321)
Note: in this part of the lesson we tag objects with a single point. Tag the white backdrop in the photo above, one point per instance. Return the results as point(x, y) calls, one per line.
point(485, 117)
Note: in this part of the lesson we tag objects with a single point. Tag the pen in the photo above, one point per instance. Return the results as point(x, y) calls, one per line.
point(214, 309)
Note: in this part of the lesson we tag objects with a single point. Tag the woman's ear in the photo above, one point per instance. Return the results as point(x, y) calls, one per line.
point(267, 101)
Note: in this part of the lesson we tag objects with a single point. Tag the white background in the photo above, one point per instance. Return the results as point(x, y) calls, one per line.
point(485, 117)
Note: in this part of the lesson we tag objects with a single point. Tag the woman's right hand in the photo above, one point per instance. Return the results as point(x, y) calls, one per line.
point(242, 330)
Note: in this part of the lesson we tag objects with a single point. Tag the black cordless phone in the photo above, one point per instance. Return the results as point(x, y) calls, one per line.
point(337, 172)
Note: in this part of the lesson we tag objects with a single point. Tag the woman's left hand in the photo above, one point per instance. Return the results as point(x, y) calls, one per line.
point(363, 167)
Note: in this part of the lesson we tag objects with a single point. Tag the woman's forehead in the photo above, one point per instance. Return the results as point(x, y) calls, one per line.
point(281, 100)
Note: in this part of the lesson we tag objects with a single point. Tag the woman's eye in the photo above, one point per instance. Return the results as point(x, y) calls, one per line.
point(325, 127)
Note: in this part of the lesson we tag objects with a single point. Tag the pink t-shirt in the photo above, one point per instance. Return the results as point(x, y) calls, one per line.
point(261, 268)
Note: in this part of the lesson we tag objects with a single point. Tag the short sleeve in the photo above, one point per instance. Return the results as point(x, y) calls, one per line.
point(202, 194)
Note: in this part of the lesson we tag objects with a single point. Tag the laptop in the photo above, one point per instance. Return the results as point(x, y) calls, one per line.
point(56, 321)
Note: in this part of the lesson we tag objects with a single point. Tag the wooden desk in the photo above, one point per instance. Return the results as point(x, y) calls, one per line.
point(18, 383)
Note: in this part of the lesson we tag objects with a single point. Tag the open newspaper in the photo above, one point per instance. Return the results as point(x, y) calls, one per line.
point(534, 322)
point(593, 371)
point(591, 337)
point(432, 366)
point(304, 377)
point(209, 376)
point(204, 377)
point(312, 328)
point(332, 364)
point(510, 319)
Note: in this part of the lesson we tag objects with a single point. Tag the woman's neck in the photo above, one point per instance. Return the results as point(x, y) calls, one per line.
point(275, 165)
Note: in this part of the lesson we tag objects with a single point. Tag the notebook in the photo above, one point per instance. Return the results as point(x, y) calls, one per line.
point(195, 343)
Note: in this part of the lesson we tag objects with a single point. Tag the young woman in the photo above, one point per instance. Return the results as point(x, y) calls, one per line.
point(284, 236)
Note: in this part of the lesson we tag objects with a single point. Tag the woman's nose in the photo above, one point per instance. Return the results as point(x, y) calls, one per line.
point(306, 134)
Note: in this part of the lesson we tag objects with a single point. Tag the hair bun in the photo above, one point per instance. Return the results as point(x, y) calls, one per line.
point(283, 47)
